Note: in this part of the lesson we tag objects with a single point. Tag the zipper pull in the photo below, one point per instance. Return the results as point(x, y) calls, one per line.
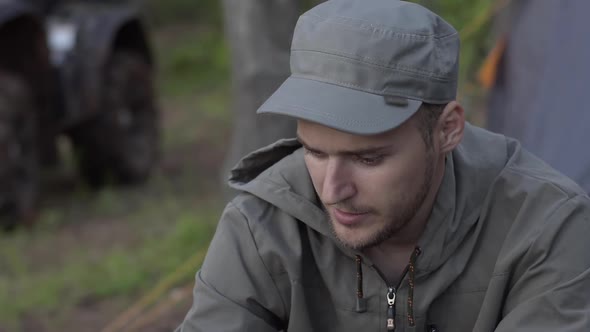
point(391, 309)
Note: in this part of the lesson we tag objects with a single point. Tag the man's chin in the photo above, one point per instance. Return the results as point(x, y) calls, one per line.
point(351, 238)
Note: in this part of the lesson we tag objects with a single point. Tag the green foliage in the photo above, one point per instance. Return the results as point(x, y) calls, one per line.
point(166, 12)
point(120, 271)
point(200, 60)
point(466, 17)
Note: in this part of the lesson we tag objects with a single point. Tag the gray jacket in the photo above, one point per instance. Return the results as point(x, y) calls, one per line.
point(503, 250)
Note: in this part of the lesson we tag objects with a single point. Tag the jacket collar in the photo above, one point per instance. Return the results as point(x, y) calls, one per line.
point(277, 174)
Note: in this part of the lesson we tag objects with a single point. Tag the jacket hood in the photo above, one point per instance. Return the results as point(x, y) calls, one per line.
point(277, 174)
point(470, 171)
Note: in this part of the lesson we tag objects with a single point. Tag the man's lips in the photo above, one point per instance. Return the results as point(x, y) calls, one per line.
point(348, 218)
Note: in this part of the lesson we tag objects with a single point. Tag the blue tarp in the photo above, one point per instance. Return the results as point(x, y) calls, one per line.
point(543, 81)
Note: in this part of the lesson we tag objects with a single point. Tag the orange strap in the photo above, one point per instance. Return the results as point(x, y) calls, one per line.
point(489, 69)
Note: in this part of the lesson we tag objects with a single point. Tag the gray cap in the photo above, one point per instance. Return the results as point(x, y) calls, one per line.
point(366, 66)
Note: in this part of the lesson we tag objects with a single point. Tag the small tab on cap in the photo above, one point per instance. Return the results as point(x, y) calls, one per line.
point(396, 101)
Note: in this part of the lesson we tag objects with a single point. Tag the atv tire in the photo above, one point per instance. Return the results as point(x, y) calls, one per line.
point(120, 145)
point(19, 167)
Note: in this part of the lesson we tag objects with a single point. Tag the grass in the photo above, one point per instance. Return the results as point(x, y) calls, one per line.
point(69, 259)
point(121, 270)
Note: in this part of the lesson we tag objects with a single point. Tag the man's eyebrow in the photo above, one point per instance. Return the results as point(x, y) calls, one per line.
point(305, 145)
point(367, 150)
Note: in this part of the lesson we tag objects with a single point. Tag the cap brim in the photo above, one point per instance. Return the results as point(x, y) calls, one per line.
point(337, 107)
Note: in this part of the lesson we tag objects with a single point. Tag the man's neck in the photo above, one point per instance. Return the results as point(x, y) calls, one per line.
point(391, 263)
point(392, 256)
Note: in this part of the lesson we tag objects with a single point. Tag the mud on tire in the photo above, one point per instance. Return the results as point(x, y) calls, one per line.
point(19, 168)
point(120, 144)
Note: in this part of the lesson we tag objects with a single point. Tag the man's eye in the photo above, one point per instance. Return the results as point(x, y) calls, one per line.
point(370, 161)
point(315, 154)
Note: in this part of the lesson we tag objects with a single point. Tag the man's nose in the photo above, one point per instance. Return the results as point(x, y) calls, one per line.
point(338, 182)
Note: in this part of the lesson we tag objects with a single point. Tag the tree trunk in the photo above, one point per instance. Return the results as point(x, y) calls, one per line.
point(259, 33)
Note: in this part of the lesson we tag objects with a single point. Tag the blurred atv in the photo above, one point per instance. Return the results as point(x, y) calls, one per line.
point(83, 69)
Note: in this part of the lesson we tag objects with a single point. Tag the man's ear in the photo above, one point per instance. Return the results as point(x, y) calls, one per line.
point(450, 126)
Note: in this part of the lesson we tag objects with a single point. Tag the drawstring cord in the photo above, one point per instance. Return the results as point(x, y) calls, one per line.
point(361, 304)
point(411, 277)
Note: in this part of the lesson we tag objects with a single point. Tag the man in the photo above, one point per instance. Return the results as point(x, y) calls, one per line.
point(395, 215)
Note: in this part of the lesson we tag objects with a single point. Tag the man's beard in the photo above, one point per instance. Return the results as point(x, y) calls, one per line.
point(406, 211)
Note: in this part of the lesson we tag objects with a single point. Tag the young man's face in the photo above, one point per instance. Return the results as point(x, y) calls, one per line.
point(371, 186)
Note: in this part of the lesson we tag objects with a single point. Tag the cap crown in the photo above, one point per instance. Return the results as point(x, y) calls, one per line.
point(384, 47)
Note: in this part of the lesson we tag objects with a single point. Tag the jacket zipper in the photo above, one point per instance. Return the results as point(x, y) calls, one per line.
point(390, 296)
point(391, 309)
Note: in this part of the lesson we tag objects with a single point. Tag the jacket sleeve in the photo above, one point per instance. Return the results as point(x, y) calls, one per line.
point(550, 287)
point(234, 290)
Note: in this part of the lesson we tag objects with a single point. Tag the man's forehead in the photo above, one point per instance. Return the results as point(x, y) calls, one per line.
point(319, 137)
point(307, 128)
